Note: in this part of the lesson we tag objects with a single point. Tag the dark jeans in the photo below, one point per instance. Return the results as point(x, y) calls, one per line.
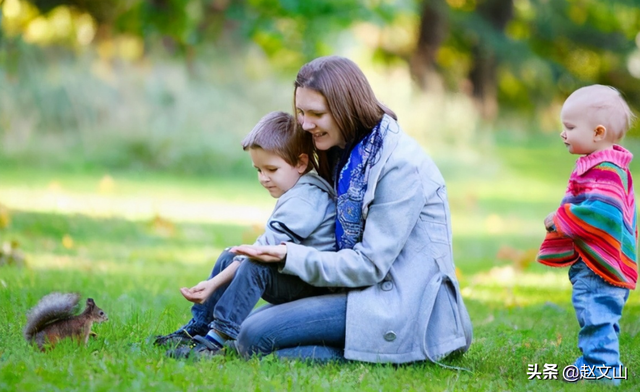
point(227, 308)
point(309, 329)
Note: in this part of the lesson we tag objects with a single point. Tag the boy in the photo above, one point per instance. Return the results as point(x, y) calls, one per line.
point(594, 229)
point(304, 214)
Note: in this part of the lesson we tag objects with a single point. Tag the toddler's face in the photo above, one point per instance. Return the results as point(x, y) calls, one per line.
point(274, 173)
point(577, 129)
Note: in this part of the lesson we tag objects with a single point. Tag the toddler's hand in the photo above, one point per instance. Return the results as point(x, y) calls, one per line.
point(197, 294)
point(548, 222)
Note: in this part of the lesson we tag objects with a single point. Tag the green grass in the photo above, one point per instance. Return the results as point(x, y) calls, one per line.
point(131, 242)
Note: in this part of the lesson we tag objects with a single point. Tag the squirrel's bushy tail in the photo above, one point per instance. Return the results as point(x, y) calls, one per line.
point(52, 307)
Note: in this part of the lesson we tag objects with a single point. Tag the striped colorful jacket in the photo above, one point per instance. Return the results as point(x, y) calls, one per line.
point(596, 220)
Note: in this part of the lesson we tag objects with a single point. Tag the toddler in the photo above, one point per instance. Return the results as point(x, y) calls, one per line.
point(594, 229)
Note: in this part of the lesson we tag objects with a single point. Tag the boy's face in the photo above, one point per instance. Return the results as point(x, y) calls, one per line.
point(274, 173)
point(578, 131)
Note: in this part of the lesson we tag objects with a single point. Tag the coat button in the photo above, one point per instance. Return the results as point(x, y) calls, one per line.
point(390, 336)
point(387, 285)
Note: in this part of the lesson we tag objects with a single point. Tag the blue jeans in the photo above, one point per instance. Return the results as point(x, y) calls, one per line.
point(309, 329)
point(202, 314)
point(598, 306)
point(228, 307)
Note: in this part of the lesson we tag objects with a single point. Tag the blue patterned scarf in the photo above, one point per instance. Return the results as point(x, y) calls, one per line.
point(352, 185)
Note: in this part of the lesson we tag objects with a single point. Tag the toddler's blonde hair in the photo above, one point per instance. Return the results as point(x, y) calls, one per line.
point(606, 107)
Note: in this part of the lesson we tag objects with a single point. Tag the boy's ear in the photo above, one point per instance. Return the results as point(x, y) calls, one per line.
point(599, 133)
point(303, 163)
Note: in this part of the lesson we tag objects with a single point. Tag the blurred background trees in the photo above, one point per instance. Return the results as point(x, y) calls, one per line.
point(516, 58)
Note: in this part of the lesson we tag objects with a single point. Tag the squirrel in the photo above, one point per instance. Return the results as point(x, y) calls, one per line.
point(53, 319)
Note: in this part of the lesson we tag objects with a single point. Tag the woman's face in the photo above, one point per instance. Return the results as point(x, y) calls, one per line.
point(315, 118)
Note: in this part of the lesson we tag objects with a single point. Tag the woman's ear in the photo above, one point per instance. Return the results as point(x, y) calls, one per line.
point(303, 163)
point(599, 133)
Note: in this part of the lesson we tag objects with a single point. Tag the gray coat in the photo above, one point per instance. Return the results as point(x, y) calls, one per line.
point(305, 214)
point(405, 304)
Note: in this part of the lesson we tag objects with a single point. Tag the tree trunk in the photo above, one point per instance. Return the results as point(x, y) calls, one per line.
point(483, 77)
point(433, 30)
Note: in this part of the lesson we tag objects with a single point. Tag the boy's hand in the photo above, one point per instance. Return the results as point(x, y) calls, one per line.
point(548, 222)
point(198, 293)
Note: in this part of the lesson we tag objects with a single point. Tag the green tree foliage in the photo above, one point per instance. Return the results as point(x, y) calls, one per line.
point(544, 49)
point(289, 31)
point(586, 42)
point(518, 53)
point(293, 31)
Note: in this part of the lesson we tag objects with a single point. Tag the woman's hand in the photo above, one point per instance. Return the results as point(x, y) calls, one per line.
point(199, 293)
point(548, 222)
point(264, 253)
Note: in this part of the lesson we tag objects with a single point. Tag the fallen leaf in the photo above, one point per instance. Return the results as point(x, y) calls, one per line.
point(5, 217)
point(250, 235)
point(106, 184)
point(162, 226)
point(67, 241)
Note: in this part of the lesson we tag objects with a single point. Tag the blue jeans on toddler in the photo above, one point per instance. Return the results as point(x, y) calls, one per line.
point(598, 306)
point(229, 306)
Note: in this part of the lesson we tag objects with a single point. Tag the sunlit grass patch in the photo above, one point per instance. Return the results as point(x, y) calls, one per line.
point(131, 197)
point(506, 286)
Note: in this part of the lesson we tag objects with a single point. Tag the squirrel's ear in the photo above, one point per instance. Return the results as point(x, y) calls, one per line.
point(90, 302)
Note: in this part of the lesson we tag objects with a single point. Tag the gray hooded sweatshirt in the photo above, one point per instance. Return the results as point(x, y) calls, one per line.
point(305, 215)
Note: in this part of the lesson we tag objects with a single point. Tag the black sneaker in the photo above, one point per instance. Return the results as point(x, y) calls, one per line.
point(180, 337)
point(203, 348)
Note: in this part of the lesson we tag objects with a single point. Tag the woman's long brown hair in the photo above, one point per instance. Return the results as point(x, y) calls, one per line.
point(350, 98)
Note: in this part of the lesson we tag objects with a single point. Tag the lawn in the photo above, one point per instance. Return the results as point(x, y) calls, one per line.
point(130, 240)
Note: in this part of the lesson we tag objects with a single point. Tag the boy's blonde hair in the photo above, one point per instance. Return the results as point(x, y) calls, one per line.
point(607, 107)
point(278, 133)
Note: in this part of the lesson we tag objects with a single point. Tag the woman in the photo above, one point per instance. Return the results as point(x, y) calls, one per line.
point(402, 301)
